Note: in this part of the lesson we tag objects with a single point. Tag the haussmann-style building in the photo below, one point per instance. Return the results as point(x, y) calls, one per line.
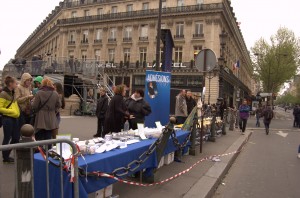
point(121, 36)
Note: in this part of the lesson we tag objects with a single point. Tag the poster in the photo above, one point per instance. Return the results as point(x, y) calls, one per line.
point(157, 94)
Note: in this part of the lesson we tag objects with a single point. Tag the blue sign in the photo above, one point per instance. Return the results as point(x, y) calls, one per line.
point(157, 94)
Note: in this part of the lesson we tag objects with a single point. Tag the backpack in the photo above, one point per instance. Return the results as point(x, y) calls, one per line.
point(269, 115)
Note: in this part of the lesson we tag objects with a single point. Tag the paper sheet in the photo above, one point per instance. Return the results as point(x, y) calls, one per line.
point(159, 126)
point(66, 148)
point(141, 131)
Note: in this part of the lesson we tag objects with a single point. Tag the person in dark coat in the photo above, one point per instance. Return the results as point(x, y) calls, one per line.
point(190, 102)
point(138, 107)
point(268, 115)
point(295, 112)
point(116, 112)
point(101, 109)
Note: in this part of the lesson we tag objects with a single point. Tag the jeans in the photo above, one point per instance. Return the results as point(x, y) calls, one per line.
point(257, 121)
point(43, 134)
point(267, 125)
point(180, 119)
point(243, 124)
point(100, 127)
point(11, 133)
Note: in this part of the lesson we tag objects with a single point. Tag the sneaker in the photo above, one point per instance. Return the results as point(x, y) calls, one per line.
point(267, 131)
point(299, 155)
point(9, 161)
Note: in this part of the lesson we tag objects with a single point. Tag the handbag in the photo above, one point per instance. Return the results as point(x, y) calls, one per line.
point(1, 124)
point(34, 112)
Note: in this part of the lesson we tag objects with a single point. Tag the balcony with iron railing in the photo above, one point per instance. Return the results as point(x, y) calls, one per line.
point(180, 36)
point(112, 40)
point(96, 41)
point(71, 42)
point(144, 13)
point(143, 38)
point(197, 36)
point(85, 42)
point(127, 39)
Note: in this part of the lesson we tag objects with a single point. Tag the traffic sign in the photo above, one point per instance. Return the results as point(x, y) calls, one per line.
point(206, 60)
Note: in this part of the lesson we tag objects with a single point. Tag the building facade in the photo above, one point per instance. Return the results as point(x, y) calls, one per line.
point(121, 34)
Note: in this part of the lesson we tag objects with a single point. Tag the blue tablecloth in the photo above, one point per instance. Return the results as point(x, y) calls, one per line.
point(105, 162)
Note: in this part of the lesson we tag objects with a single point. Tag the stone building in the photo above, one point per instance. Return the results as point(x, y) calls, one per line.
point(121, 34)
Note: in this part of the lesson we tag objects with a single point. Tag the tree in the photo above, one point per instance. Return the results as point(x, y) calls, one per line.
point(276, 61)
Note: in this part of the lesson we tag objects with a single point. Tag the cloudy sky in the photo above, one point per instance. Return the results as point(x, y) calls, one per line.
point(259, 18)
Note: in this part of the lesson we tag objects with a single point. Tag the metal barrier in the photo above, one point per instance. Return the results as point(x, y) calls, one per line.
point(22, 150)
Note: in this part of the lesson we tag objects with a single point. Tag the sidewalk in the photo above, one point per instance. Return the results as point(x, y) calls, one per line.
point(199, 182)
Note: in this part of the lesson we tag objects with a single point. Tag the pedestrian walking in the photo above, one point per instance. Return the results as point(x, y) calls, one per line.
point(258, 112)
point(268, 115)
point(138, 107)
point(244, 115)
point(46, 104)
point(116, 112)
point(181, 107)
point(10, 116)
point(190, 102)
point(24, 96)
point(58, 87)
point(297, 115)
point(295, 112)
point(101, 109)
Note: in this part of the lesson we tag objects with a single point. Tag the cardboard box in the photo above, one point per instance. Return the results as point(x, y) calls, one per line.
point(169, 158)
point(105, 192)
point(161, 163)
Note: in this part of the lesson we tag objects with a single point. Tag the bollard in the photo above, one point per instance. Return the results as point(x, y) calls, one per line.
point(193, 136)
point(224, 122)
point(212, 137)
point(24, 165)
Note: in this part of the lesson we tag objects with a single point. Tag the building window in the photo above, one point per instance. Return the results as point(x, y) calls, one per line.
point(143, 55)
point(146, 6)
point(114, 9)
point(178, 54)
point(111, 55)
point(179, 30)
point(100, 11)
point(85, 36)
point(144, 32)
point(139, 80)
point(126, 55)
point(128, 33)
point(178, 80)
point(198, 29)
point(83, 55)
point(194, 81)
point(164, 4)
point(129, 8)
point(74, 14)
point(98, 35)
point(86, 13)
point(71, 53)
point(97, 54)
point(199, 2)
point(180, 3)
point(163, 26)
point(112, 34)
point(72, 37)
point(197, 49)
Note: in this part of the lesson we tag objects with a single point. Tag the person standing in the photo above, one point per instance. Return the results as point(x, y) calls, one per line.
point(181, 107)
point(138, 107)
point(46, 104)
point(190, 102)
point(258, 112)
point(10, 116)
point(37, 83)
point(101, 109)
point(116, 112)
point(24, 96)
point(58, 87)
point(268, 115)
point(244, 115)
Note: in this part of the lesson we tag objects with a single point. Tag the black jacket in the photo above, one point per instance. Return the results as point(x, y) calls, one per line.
point(102, 106)
point(190, 103)
point(115, 114)
point(138, 108)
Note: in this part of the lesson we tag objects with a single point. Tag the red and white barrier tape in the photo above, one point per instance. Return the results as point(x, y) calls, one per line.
point(166, 180)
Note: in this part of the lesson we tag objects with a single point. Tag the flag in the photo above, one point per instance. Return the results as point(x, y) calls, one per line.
point(236, 65)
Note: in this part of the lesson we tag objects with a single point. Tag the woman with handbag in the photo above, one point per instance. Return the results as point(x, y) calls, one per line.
point(45, 105)
point(10, 116)
point(24, 97)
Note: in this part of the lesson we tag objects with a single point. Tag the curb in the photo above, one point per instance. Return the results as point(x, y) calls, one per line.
point(207, 184)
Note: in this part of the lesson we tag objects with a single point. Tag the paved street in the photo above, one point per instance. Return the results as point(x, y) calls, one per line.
point(267, 167)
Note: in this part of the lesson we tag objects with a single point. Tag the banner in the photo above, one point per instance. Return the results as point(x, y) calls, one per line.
point(157, 94)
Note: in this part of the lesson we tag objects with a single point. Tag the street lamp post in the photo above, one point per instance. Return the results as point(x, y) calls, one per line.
point(158, 37)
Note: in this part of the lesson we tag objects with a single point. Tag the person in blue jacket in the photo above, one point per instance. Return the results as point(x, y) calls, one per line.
point(244, 115)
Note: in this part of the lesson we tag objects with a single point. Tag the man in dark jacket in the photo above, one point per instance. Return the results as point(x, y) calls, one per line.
point(138, 107)
point(268, 115)
point(102, 106)
point(190, 102)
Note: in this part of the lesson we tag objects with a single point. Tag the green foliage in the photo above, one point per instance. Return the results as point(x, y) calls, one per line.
point(277, 60)
point(288, 99)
